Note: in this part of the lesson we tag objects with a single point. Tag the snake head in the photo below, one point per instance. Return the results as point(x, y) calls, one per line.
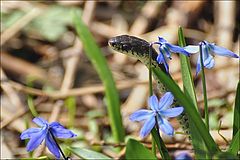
point(129, 45)
point(135, 47)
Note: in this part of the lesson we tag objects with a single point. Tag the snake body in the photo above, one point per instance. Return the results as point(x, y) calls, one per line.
point(139, 48)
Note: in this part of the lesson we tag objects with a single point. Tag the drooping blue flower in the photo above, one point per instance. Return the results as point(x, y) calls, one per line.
point(37, 135)
point(165, 50)
point(160, 110)
point(209, 50)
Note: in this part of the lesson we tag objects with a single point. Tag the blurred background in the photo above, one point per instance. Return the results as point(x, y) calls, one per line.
point(40, 53)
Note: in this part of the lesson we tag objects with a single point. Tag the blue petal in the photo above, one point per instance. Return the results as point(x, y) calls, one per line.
point(161, 60)
point(147, 127)
point(166, 66)
point(209, 62)
point(159, 119)
point(29, 133)
point(166, 101)
point(177, 49)
point(153, 102)
point(161, 40)
point(172, 112)
point(60, 132)
point(166, 51)
point(191, 49)
point(40, 121)
point(160, 57)
point(141, 114)
point(222, 51)
point(52, 146)
point(37, 139)
point(198, 68)
point(166, 127)
point(183, 156)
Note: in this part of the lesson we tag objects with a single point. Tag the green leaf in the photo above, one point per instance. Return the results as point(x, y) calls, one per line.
point(70, 103)
point(187, 79)
point(235, 144)
point(87, 154)
point(52, 24)
point(8, 19)
point(96, 57)
point(225, 156)
point(135, 150)
point(236, 118)
point(189, 90)
point(189, 108)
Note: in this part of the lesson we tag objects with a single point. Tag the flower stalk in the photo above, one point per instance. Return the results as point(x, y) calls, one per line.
point(204, 88)
point(150, 70)
point(155, 117)
point(59, 148)
point(151, 90)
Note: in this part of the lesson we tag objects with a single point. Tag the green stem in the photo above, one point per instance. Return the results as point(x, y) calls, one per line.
point(204, 89)
point(151, 91)
point(31, 106)
point(59, 148)
point(150, 71)
point(185, 101)
point(160, 144)
point(157, 140)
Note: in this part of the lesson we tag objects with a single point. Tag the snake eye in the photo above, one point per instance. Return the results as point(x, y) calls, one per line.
point(112, 42)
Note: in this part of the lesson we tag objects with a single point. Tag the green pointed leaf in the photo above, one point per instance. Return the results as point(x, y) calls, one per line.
point(236, 118)
point(70, 103)
point(99, 62)
point(235, 144)
point(87, 154)
point(187, 79)
point(188, 87)
point(225, 156)
point(135, 150)
point(189, 108)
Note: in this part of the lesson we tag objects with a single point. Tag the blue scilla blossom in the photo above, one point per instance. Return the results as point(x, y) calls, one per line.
point(160, 110)
point(209, 50)
point(165, 50)
point(37, 135)
point(183, 156)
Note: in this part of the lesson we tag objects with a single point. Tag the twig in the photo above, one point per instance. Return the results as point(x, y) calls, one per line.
point(146, 143)
point(74, 92)
point(22, 67)
point(17, 26)
point(225, 22)
point(14, 98)
point(12, 120)
point(72, 62)
point(70, 70)
point(219, 127)
point(148, 12)
point(10, 92)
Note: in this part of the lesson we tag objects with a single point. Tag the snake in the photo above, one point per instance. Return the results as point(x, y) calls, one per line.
point(139, 48)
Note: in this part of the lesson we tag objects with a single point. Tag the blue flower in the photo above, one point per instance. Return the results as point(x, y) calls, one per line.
point(209, 50)
point(165, 50)
point(183, 156)
point(37, 135)
point(159, 110)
